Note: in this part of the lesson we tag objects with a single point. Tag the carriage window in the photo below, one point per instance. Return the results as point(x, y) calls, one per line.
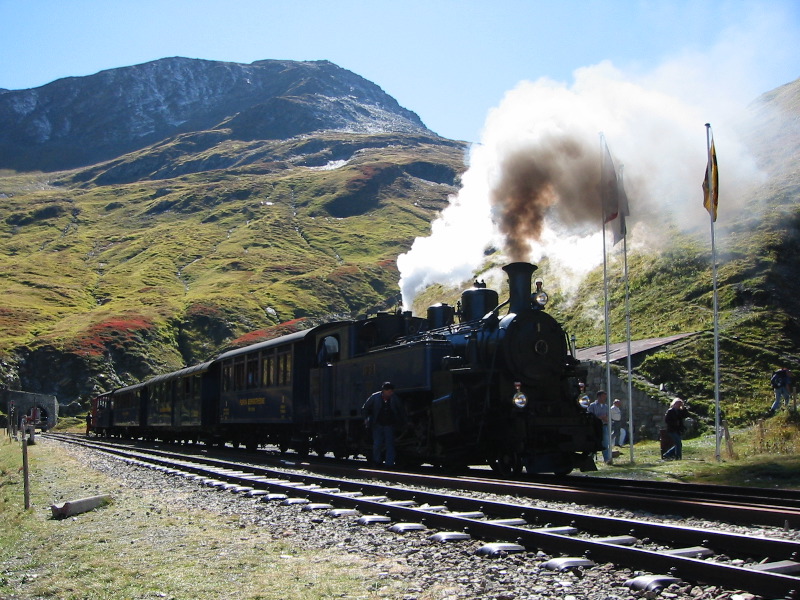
point(328, 350)
point(284, 368)
point(238, 374)
point(252, 371)
point(197, 386)
point(227, 377)
point(267, 370)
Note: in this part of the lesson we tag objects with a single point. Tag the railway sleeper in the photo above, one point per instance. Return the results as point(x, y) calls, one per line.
point(450, 536)
point(567, 563)
point(403, 527)
point(369, 519)
point(500, 549)
point(343, 512)
point(651, 583)
point(565, 530)
point(693, 552)
point(619, 540)
point(785, 567)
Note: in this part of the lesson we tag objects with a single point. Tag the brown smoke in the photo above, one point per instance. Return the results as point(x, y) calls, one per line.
point(558, 176)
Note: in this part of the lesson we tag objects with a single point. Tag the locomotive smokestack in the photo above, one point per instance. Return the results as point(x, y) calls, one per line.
point(519, 285)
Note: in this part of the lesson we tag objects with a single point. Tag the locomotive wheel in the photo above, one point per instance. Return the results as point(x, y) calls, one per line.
point(302, 449)
point(506, 464)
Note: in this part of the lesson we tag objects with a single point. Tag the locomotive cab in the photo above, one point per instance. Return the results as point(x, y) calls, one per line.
point(505, 398)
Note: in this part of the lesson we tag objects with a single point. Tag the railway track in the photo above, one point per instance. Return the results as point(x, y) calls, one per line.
point(772, 507)
point(766, 566)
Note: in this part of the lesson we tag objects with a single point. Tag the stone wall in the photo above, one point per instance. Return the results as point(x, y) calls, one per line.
point(649, 402)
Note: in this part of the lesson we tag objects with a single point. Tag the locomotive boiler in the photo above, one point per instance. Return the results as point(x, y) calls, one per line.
point(482, 383)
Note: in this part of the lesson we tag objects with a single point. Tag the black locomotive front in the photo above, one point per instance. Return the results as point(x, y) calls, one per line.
point(507, 397)
point(497, 385)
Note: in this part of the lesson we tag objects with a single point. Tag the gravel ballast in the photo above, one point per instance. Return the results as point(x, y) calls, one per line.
point(408, 566)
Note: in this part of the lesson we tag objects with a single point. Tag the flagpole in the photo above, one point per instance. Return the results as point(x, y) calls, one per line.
point(627, 328)
point(712, 215)
point(606, 313)
point(608, 335)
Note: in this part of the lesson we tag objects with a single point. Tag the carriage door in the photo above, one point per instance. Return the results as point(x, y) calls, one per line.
point(327, 357)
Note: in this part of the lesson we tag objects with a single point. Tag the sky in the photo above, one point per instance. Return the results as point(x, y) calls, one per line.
point(449, 61)
point(538, 88)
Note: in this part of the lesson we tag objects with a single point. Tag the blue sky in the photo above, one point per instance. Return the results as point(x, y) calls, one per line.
point(449, 61)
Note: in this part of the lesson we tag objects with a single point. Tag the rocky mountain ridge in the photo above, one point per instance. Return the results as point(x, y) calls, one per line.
point(78, 121)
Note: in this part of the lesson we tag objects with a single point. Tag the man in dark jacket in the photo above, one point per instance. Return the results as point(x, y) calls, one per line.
point(781, 382)
point(673, 419)
point(384, 413)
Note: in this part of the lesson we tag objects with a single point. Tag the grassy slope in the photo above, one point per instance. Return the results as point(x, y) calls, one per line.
point(672, 293)
point(206, 257)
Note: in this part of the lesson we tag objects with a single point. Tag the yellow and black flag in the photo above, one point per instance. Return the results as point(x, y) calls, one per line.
point(711, 192)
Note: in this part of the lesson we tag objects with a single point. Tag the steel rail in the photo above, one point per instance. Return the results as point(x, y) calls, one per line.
point(761, 582)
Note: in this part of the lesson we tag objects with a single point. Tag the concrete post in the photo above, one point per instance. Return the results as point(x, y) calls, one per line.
point(26, 482)
point(75, 507)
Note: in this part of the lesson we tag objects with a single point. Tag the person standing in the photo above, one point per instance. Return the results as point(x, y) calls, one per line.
point(616, 422)
point(673, 419)
point(599, 408)
point(384, 413)
point(583, 397)
point(781, 381)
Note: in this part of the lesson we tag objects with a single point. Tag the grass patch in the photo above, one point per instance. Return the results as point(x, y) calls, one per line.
point(765, 454)
point(149, 543)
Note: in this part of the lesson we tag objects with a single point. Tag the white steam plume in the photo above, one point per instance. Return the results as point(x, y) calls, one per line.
point(532, 186)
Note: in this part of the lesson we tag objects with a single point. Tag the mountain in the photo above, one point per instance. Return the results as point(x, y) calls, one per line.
point(78, 121)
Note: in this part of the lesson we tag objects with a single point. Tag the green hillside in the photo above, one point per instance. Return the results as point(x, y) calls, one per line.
point(129, 279)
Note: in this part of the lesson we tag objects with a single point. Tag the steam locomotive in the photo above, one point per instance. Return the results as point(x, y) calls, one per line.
point(478, 386)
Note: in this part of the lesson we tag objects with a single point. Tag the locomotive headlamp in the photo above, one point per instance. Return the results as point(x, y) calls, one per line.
point(520, 399)
point(540, 296)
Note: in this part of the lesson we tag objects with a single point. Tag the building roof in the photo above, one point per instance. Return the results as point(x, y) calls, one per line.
point(619, 351)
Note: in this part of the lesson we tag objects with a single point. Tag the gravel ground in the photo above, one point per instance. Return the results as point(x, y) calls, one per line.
point(430, 570)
